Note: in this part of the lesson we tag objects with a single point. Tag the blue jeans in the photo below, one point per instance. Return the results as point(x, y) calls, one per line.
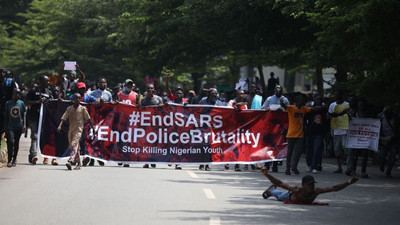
point(314, 151)
point(281, 195)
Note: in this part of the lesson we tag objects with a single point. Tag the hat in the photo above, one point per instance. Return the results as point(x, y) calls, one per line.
point(213, 90)
point(308, 179)
point(128, 81)
point(80, 85)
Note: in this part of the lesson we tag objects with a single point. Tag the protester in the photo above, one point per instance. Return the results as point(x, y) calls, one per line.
point(295, 135)
point(203, 93)
point(273, 103)
point(316, 129)
point(353, 154)
point(101, 92)
point(253, 99)
point(101, 95)
point(8, 84)
point(15, 125)
point(177, 97)
point(272, 83)
point(339, 126)
point(305, 194)
point(210, 100)
point(151, 100)
point(76, 115)
point(388, 139)
point(127, 95)
point(239, 104)
point(69, 82)
point(35, 98)
point(170, 95)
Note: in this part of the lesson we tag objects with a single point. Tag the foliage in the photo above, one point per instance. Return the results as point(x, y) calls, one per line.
point(122, 39)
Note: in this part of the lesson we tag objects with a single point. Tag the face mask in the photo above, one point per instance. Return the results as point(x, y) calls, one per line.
point(126, 89)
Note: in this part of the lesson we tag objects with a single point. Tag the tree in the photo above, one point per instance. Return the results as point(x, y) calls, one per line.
point(352, 37)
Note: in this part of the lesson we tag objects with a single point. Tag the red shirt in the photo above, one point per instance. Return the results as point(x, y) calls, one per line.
point(127, 99)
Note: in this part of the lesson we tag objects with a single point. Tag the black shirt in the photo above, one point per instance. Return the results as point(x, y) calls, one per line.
point(34, 95)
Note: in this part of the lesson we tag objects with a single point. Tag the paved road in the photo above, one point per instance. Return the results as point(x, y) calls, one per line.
point(45, 194)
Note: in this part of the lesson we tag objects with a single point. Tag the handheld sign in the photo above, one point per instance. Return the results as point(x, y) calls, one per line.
point(69, 65)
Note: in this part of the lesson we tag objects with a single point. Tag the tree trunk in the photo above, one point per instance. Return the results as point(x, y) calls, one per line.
point(260, 71)
point(196, 81)
point(320, 81)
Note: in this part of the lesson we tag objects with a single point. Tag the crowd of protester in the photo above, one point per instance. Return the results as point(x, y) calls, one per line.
point(313, 119)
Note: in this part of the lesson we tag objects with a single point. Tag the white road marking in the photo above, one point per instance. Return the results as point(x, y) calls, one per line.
point(215, 220)
point(209, 193)
point(192, 174)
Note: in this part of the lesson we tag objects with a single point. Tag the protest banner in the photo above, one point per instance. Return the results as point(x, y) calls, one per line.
point(363, 133)
point(171, 134)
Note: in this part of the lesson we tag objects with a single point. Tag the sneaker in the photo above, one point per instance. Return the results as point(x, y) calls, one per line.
point(226, 166)
point(146, 166)
point(54, 162)
point(127, 165)
point(120, 164)
point(308, 168)
point(101, 163)
point(295, 171)
point(253, 167)
point(207, 168)
point(85, 161)
point(153, 165)
point(315, 171)
point(201, 167)
point(45, 161)
point(9, 164)
point(34, 160)
point(77, 168)
point(68, 165)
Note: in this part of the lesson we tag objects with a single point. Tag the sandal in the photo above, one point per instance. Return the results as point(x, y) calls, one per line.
point(267, 193)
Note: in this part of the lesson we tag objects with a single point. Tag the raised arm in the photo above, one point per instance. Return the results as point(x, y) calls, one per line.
point(81, 74)
point(336, 187)
point(277, 182)
point(167, 73)
point(60, 72)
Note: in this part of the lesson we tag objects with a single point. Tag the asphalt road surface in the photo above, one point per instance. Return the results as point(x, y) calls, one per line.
point(46, 194)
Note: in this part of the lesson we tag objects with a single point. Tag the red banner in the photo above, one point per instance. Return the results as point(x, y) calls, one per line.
point(175, 134)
